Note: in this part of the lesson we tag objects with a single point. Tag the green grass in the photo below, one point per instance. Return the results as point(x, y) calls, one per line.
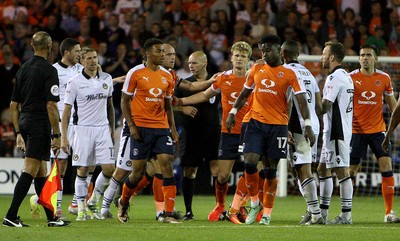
point(368, 224)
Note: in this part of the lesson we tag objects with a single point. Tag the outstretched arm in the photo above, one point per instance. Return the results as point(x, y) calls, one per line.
point(196, 86)
point(198, 97)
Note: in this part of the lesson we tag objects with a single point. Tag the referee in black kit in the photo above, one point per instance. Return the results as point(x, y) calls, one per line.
point(34, 114)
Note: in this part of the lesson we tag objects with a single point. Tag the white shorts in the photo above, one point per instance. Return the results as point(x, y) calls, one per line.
point(70, 137)
point(303, 153)
point(92, 146)
point(335, 153)
point(123, 159)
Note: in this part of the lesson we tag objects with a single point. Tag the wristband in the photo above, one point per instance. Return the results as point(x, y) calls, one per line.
point(307, 122)
point(55, 135)
point(17, 132)
point(233, 111)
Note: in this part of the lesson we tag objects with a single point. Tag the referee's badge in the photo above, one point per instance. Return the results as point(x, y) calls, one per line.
point(55, 90)
point(105, 86)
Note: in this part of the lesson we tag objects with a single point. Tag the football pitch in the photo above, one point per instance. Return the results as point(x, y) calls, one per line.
point(368, 213)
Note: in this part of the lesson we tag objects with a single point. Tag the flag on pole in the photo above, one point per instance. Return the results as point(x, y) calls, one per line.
point(48, 196)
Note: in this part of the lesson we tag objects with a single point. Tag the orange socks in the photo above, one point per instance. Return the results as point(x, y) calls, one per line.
point(241, 188)
point(142, 184)
point(261, 188)
point(388, 192)
point(158, 192)
point(252, 183)
point(169, 197)
point(220, 193)
point(270, 187)
point(127, 193)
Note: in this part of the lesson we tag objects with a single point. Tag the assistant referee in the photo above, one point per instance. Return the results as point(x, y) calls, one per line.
point(35, 117)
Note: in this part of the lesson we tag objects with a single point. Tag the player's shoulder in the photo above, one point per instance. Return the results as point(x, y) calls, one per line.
point(164, 70)
point(78, 67)
point(286, 71)
point(225, 74)
point(104, 76)
point(57, 65)
point(140, 67)
point(382, 73)
point(355, 72)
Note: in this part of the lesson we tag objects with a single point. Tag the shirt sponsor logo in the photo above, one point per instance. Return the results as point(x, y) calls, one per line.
point(234, 95)
point(367, 95)
point(154, 92)
point(54, 90)
point(97, 96)
point(268, 84)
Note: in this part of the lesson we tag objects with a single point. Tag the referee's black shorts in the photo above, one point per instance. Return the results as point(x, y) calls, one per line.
point(201, 145)
point(36, 131)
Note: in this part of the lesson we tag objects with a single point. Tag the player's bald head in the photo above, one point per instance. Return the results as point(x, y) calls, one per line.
point(40, 40)
point(199, 56)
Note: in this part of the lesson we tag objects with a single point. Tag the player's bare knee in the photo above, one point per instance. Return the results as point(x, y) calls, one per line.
point(108, 169)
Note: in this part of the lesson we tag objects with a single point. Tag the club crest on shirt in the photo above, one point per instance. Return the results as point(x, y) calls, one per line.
point(105, 86)
point(129, 163)
point(135, 152)
point(280, 74)
point(163, 80)
point(75, 158)
point(378, 82)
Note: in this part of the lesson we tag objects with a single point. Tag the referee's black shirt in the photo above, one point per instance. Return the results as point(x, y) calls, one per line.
point(207, 114)
point(36, 83)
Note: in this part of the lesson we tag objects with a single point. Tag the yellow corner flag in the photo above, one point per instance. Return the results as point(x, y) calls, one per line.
point(48, 196)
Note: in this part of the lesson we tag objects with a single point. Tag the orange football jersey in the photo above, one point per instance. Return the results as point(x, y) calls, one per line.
point(270, 86)
point(174, 76)
point(230, 87)
point(149, 88)
point(369, 92)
